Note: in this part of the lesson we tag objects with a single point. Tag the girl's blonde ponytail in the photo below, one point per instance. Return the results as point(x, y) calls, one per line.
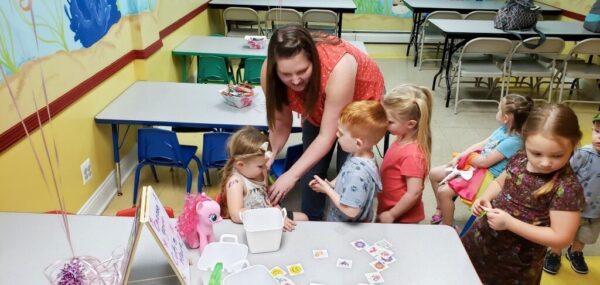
point(424, 123)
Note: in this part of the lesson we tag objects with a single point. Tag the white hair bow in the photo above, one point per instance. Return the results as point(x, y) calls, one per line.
point(265, 147)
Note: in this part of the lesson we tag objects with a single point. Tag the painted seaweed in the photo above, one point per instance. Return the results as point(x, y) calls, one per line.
point(91, 19)
point(7, 47)
point(53, 24)
point(371, 7)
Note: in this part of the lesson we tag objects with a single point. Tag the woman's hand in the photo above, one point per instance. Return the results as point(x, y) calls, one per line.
point(498, 219)
point(289, 225)
point(282, 186)
point(385, 217)
point(319, 185)
point(478, 206)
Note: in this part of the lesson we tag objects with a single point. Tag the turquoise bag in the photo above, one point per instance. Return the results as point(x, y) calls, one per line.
point(592, 21)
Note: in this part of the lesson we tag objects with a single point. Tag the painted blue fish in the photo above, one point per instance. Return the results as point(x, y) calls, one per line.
point(91, 19)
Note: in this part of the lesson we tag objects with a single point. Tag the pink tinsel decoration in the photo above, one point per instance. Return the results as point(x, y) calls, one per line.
point(72, 273)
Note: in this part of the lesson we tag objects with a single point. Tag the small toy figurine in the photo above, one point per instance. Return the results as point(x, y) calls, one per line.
point(463, 168)
point(195, 224)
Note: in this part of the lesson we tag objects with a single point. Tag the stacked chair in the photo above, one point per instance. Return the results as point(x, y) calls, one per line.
point(533, 63)
point(325, 21)
point(279, 17)
point(430, 35)
point(475, 60)
point(240, 21)
point(577, 69)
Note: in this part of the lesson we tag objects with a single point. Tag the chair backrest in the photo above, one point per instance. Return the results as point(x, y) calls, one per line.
point(552, 47)
point(241, 15)
point(320, 20)
point(214, 149)
point(252, 70)
point(488, 46)
point(589, 46)
point(292, 155)
point(282, 16)
point(481, 15)
point(212, 69)
point(158, 146)
point(446, 15)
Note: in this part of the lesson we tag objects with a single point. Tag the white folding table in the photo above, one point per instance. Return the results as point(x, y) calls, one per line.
point(179, 105)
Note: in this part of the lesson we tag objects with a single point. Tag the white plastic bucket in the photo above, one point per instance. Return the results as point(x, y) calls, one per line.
point(255, 274)
point(231, 253)
point(264, 228)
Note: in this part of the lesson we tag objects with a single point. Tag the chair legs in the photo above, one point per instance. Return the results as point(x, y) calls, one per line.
point(457, 89)
point(200, 174)
point(136, 182)
point(207, 177)
point(154, 173)
point(188, 176)
point(562, 85)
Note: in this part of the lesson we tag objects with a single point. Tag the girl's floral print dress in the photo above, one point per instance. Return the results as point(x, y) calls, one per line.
point(502, 257)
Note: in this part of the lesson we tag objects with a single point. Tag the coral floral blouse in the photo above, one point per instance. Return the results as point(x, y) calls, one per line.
point(368, 85)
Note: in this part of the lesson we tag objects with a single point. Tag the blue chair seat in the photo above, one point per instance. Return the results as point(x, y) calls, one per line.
point(278, 167)
point(292, 155)
point(161, 147)
point(214, 151)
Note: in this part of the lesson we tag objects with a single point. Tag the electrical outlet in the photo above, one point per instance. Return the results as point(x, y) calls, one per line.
point(86, 171)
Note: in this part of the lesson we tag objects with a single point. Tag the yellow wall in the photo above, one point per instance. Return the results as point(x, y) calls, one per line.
point(577, 6)
point(373, 22)
point(77, 137)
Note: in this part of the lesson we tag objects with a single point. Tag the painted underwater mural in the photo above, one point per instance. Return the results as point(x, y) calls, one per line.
point(382, 7)
point(62, 25)
point(90, 20)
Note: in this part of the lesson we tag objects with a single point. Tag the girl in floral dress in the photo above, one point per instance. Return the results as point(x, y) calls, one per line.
point(535, 203)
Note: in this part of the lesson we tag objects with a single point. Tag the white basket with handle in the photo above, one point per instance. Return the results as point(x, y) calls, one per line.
point(264, 228)
point(231, 253)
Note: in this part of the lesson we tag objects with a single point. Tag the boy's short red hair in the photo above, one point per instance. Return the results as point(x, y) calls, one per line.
point(365, 120)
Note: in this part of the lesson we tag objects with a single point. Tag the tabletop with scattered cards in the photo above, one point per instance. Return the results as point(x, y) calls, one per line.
point(363, 253)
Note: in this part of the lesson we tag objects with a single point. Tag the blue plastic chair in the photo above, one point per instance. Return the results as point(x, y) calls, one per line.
point(214, 69)
point(161, 147)
point(214, 151)
point(291, 156)
point(252, 68)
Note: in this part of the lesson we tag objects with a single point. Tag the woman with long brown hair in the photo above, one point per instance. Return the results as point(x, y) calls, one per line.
point(315, 75)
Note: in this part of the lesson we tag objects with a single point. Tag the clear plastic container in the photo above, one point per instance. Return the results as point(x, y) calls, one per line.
point(238, 101)
point(256, 42)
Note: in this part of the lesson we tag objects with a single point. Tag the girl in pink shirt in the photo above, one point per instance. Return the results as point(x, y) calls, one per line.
point(406, 163)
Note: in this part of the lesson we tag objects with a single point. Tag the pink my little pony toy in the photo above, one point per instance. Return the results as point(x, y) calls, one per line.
point(195, 224)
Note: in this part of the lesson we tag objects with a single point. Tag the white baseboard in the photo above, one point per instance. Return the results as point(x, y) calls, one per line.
point(391, 37)
point(98, 202)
